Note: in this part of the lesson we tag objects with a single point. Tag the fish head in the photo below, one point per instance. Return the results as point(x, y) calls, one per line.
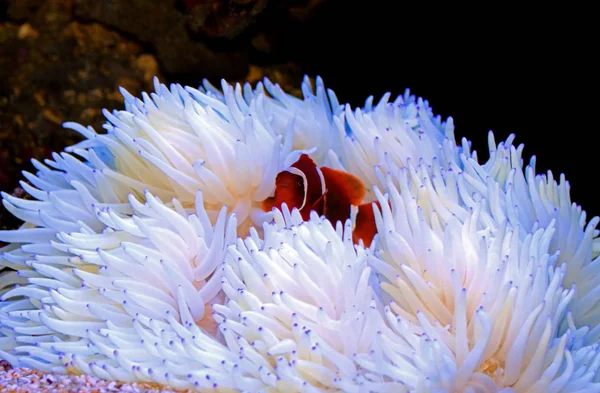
point(290, 187)
point(300, 186)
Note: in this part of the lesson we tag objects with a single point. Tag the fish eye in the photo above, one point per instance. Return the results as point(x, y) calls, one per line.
point(300, 183)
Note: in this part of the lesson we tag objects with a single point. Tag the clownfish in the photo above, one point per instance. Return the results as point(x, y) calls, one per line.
point(329, 192)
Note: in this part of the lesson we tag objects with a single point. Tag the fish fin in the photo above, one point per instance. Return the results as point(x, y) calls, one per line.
point(268, 204)
point(343, 190)
point(321, 199)
point(365, 227)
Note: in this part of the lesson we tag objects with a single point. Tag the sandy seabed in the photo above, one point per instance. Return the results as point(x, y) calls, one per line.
point(22, 380)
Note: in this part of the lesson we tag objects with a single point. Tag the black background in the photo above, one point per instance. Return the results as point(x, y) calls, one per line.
point(531, 72)
point(526, 69)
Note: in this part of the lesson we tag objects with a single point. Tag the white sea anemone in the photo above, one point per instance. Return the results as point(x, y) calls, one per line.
point(145, 254)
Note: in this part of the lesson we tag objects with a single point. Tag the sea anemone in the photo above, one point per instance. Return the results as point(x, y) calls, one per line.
point(145, 254)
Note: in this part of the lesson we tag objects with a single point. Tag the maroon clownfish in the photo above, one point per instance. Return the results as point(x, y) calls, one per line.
point(329, 192)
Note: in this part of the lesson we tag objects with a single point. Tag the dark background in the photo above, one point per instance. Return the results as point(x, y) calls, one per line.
point(532, 72)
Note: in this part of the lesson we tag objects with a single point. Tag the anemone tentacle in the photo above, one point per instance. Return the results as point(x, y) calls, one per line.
point(145, 254)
